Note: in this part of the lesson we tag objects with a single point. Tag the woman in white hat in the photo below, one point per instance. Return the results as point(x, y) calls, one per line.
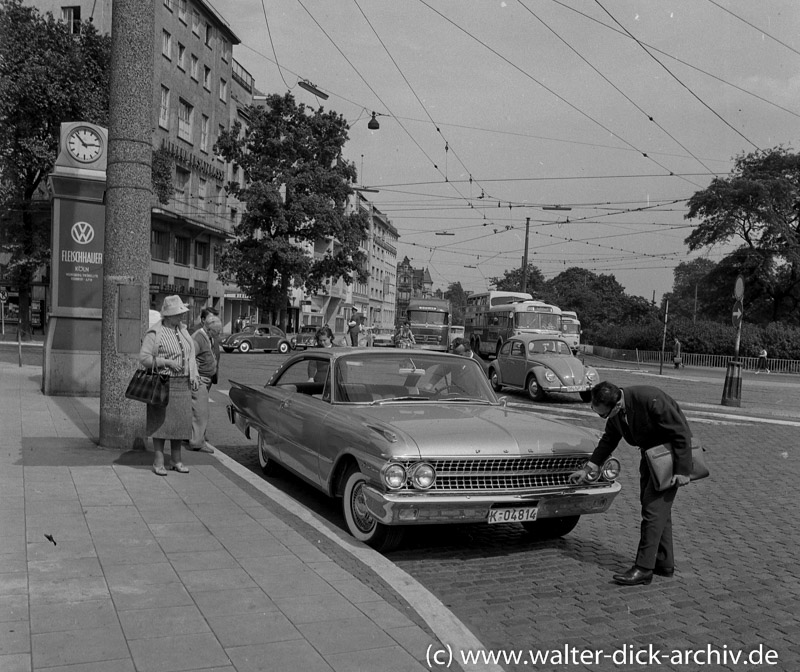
point(168, 346)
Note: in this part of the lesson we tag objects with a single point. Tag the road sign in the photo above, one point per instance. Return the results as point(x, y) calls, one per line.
point(738, 288)
point(738, 312)
point(3, 296)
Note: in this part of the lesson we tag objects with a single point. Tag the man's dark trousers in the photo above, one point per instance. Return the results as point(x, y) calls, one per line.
point(655, 542)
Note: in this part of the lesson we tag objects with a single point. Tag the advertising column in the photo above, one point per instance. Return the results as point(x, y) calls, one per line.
point(78, 181)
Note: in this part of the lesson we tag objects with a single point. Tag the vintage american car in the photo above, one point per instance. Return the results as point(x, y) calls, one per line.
point(257, 337)
point(381, 337)
point(412, 437)
point(540, 364)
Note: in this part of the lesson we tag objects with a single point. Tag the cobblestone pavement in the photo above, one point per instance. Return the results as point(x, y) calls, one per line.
point(737, 584)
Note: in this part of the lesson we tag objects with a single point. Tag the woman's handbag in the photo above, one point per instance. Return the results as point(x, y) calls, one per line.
point(660, 459)
point(149, 387)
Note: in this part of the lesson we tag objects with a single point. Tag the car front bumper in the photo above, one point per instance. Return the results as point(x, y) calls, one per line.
point(396, 508)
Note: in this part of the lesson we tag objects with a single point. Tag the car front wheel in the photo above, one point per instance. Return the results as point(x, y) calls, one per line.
point(551, 528)
point(494, 379)
point(244, 346)
point(535, 390)
point(359, 521)
point(283, 347)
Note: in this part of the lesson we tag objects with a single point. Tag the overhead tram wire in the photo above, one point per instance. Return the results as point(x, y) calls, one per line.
point(754, 27)
point(678, 80)
point(669, 173)
point(615, 87)
point(369, 86)
point(272, 44)
point(678, 60)
point(419, 100)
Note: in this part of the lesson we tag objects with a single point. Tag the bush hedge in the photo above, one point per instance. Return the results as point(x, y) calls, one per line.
point(710, 338)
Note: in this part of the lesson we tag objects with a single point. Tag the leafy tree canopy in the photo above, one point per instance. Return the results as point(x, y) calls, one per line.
point(757, 205)
point(296, 194)
point(457, 297)
point(512, 280)
point(47, 76)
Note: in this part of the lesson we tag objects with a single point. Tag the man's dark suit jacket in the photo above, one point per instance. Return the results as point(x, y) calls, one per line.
point(651, 418)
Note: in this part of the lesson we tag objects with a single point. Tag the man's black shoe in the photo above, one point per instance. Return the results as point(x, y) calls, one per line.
point(664, 571)
point(634, 577)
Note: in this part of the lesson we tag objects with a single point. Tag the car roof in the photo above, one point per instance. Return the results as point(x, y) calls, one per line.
point(527, 338)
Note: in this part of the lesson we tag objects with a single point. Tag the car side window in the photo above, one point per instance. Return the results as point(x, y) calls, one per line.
point(296, 373)
point(505, 349)
point(517, 349)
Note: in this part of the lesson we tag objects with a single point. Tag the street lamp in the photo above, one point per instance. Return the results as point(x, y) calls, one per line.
point(311, 88)
point(373, 124)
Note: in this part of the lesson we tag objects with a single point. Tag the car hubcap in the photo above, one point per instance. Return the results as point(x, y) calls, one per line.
point(358, 505)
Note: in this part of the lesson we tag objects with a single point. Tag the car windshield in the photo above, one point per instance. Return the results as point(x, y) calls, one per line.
point(423, 376)
point(552, 347)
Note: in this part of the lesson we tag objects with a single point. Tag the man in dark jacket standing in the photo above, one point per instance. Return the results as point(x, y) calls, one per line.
point(645, 417)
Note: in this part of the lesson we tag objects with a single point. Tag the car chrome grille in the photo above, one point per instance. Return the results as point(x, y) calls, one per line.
point(488, 475)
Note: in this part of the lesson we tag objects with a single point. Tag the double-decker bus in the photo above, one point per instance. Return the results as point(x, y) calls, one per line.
point(571, 329)
point(491, 318)
point(430, 323)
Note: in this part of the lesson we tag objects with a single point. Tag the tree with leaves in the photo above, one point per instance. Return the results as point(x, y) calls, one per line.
point(457, 297)
point(47, 76)
point(296, 195)
point(757, 206)
point(512, 281)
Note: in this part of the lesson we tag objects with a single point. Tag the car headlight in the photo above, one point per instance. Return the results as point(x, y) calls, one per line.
point(611, 469)
point(549, 375)
point(591, 375)
point(423, 476)
point(394, 475)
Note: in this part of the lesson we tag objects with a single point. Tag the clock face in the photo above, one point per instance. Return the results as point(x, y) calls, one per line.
point(84, 144)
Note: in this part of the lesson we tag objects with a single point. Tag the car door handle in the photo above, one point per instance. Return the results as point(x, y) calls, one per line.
point(285, 403)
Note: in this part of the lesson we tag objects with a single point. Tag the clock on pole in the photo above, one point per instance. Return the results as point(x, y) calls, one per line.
point(84, 144)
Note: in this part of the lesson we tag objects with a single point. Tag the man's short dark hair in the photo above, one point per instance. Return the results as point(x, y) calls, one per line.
point(605, 394)
point(208, 311)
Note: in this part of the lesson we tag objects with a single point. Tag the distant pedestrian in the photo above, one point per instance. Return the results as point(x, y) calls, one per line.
point(207, 363)
point(354, 327)
point(762, 361)
point(645, 417)
point(168, 347)
point(318, 370)
point(676, 354)
point(239, 324)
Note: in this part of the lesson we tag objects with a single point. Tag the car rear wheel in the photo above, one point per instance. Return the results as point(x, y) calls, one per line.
point(228, 350)
point(534, 389)
point(268, 464)
point(245, 346)
point(359, 521)
point(494, 379)
point(586, 396)
point(283, 347)
point(551, 528)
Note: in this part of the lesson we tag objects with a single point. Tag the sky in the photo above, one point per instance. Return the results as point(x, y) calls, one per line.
point(491, 111)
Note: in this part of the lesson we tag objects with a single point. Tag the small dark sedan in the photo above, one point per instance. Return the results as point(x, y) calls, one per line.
point(257, 337)
point(539, 364)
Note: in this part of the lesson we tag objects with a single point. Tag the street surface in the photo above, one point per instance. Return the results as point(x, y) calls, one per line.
point(737, 584)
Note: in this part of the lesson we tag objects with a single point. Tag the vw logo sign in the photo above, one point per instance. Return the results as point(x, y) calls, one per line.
point(82, 233)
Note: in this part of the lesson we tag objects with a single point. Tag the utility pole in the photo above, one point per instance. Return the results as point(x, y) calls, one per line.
point(664, 338)
point(126, 256)
point(525, 257)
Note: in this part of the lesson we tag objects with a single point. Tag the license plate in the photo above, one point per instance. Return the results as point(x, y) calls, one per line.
point(517, 515)
point(574, 388)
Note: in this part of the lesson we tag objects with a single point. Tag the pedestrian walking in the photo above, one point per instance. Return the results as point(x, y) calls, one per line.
point(644, 416)
point(762, 361)
point(204, 340)
point(168, 347)
point(317, 370)
point(354, 327)
point(677, 360)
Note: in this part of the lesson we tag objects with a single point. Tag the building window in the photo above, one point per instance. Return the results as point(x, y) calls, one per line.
point(166, 44)
point(182, 5)
point(209, 36)
point(219, 135)
point(206, 78)
point(158, 279)
point(201, 287)
point(181, 56)
point(159, 245)
point(226, 50)
point(182, 178)
point(168, 4)
point(223, 90)
point(201, 191)
point(234, 215)
point(182, 284)
point(201, 256)
point(195, 22)
point(185, 119)
point(182, 253)
point(72, 17)
point(163, 114)
point(195, 65)
point(204, 126)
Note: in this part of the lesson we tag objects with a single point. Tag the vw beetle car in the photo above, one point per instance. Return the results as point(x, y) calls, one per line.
point(306, 338)
point(412, 437)
point(540, 364)
point(257, 337)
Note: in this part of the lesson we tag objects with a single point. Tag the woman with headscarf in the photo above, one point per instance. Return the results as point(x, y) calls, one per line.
point(168, 347)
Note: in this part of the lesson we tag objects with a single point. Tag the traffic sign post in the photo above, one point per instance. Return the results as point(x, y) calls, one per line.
point(3, 299)
point(732, 392)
